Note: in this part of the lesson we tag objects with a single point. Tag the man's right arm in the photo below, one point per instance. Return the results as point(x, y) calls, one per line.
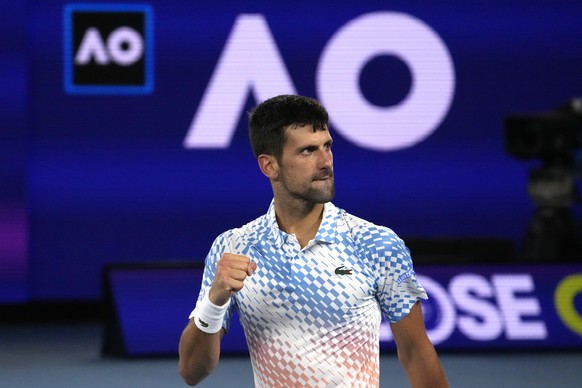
point(199, 353)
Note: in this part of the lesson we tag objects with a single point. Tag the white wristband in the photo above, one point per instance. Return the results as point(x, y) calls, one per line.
point(208, 316)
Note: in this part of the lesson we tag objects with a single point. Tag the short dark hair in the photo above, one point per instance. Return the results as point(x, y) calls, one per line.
point(268, 121)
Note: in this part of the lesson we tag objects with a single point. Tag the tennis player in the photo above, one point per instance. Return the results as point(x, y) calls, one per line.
point(309, 280)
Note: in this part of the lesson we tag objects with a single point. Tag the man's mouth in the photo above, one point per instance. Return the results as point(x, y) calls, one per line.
point(324, 177)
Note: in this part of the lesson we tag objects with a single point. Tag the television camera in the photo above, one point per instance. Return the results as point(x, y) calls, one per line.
point(554, 138)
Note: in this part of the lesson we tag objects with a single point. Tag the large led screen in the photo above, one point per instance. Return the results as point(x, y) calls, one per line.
point(136, 138)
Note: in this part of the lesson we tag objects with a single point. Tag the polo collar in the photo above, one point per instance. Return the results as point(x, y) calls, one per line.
point(327, 232)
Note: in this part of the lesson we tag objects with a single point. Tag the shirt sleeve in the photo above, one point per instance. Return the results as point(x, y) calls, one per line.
point(398, 288)
point(218, 247)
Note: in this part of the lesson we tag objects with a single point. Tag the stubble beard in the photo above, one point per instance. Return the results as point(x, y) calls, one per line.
point(317, 195)
point(320, 190)
point(320, 195)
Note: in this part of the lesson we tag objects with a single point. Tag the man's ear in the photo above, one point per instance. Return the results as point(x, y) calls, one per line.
point(269, 166)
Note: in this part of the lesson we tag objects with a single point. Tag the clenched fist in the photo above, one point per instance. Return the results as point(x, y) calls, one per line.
point(231, 271)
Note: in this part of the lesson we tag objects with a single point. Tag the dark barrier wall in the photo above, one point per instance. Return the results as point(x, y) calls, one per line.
point(136, 142)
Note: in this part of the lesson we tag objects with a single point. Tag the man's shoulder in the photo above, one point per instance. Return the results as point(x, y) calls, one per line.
point(361, 227)
point(368, 236)
point(249, 232)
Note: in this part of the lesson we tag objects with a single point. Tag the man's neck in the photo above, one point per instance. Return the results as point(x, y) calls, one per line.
point(299, 218)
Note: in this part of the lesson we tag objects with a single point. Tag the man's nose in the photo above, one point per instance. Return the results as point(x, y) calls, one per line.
point(326, 159)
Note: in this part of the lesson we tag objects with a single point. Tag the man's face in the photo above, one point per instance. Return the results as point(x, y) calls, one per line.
point(306, 165)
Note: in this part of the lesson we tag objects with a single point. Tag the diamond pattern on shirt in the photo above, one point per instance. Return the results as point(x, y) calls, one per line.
point(312, 316)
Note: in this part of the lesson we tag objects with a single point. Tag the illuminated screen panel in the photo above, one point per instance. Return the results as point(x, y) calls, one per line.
point(108, 49)
point(469, 308)
point(502, 307)
point(417, 94)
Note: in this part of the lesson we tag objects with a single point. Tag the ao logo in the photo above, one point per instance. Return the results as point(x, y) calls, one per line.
point(251, 61)
point(124, 46)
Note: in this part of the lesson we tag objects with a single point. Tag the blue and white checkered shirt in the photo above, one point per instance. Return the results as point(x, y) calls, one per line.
point(311, 316)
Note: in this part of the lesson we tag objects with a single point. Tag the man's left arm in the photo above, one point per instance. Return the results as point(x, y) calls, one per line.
point(416, 352)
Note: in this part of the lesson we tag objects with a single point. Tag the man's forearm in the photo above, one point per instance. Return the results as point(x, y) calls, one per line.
point(199, 353)
point(424, 369)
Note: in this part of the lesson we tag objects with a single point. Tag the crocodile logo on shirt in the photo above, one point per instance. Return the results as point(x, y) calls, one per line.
point(341, 270)
point(204, 324)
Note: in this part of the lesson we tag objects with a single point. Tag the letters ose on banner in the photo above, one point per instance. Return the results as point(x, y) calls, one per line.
point(494, 307)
